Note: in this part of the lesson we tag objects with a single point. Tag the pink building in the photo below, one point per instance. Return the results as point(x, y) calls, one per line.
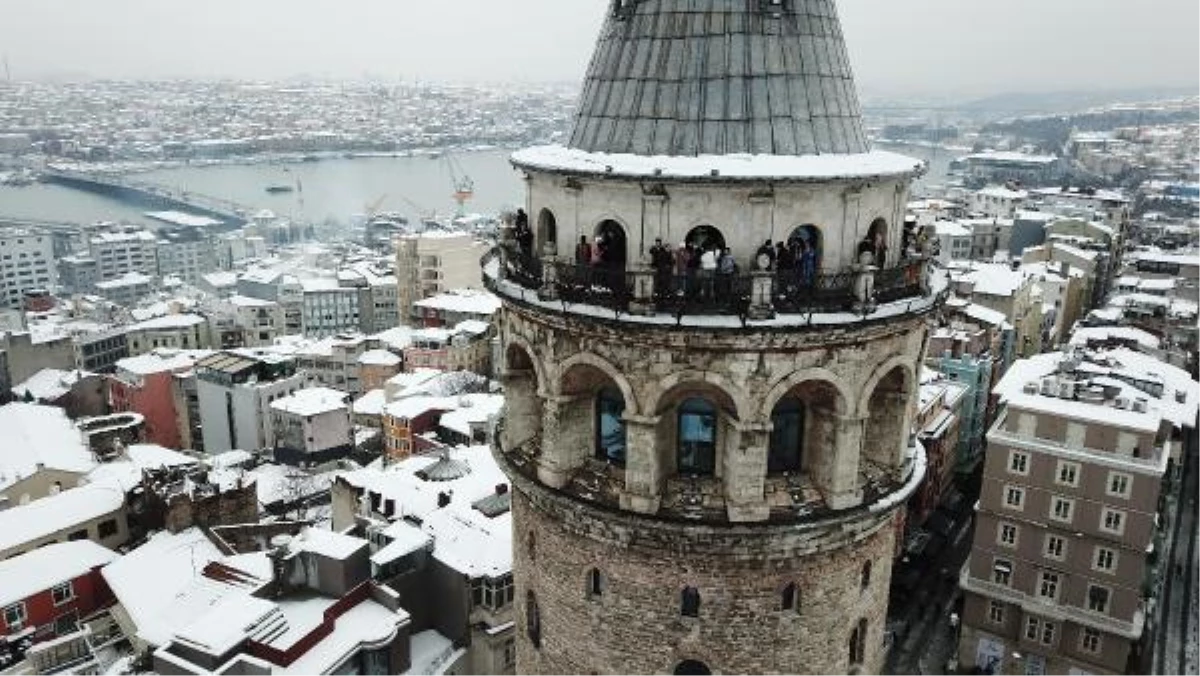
point(143, 385)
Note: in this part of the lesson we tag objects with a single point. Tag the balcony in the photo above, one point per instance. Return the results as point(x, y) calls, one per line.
point(773, 298)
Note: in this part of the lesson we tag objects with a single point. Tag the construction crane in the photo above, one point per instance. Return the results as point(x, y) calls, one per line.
point(373, 208)
point(464, 187)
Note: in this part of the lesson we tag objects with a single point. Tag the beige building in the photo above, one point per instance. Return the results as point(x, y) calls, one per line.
point(1068, 514)
point(1007, 290)
point(434, 263)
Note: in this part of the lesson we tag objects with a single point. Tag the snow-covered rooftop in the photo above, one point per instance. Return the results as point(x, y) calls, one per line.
point(371, 403)
point(49, 384)
point(162, 360)
point(45, 567)
point(126, 473)
point(178, 321)
point(39, 435)
point(473, 409)
point(464, 301)
point(53, 514)
point(418, 497)
point(379, 358)
point(1086, 334)
point(325, 543)
point(467, 540)
point(311, 401)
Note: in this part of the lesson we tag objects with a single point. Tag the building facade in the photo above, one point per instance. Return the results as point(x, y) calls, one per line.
point(26, 263)
point(692, 459)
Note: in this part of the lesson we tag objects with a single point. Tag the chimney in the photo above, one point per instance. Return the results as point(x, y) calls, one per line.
point(501, 489)
point(443, 499)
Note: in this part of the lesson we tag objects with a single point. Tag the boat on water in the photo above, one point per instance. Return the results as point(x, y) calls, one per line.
point(281, 188)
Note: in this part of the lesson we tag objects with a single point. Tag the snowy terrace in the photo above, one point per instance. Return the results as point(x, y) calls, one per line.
point(827, 298)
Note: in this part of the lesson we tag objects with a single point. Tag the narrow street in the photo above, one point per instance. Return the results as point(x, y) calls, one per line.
point(1175, 650)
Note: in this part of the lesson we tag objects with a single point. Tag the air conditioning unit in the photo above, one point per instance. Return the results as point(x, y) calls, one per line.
point(1121, 403)
point(1139, 405)
point(1066, 390)
point(1031, 387)
point(1048, 387)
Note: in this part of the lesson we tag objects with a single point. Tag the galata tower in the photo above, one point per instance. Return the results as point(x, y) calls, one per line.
point(713, 320)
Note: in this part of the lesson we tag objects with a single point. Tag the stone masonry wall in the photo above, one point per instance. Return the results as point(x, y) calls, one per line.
point(635, 625)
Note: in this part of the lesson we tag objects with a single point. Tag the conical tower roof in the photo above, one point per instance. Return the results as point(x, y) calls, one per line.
point(718, 77)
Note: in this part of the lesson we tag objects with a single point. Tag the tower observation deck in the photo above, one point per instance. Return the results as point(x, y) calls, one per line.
point(712, 330)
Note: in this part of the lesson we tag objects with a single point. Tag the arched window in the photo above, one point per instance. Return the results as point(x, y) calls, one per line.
point(690, 602)
point(533, 620)
point(697, 437)
point(532, 546)
point(858, 643)
point(610, 427)
point(547, 229)
point(692, 667)
point(704, 237)
point(805, 251)
point(787, 437)
point(789, 599)
point(610, 238)
point(877, 236)
point(595, 583)
point(866, 575)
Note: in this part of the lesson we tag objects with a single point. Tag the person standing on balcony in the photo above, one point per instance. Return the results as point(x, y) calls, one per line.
point(661, 261)
point(766, 250)
point(726, 269)
point(708, 271)
point(683, 264)
point(583, 251)
point(808, 263)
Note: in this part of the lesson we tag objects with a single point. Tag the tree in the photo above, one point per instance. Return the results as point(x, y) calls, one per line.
point(28, 397)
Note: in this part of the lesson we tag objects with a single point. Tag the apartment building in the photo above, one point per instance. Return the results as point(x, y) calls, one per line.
point(433, 263)
point(185, 253)
point(26, 263)
point(122, 251)
point(234, 393)
point(1068, 515)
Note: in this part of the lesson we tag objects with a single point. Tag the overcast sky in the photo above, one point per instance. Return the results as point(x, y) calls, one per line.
point(897, 46)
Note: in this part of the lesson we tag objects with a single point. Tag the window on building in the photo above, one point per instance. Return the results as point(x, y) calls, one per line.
point(1018, 462)
point(787, 436)
point(533, 620)
point(63, 593)
point(1118, 485)
point(1068, 474)
point(1048, 587)
point(1097, 598)
point(858, 643)
point(1014, 497)
point(697, 437)
point(14, 617)
point(1007, 535)
point(1062, 509)
point(865, 576)
point(789, 598)
point(1105, 560)
point(595, 583)
point(510, 654)
point(610, 426)
point(690, 602)
point(996, 612)
point(1056, 547)
point(107, 528)
point(1089, 640)
point(1112, 521)
point(1002, 572)
point(80, 534)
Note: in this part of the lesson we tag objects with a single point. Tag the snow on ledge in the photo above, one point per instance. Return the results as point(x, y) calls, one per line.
point(874, 164)
point(919, 462)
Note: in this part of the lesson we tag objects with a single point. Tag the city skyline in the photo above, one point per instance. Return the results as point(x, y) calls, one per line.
point(917, 47)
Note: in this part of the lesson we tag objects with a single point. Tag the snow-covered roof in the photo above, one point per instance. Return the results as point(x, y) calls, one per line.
point(405, 538)
point(311, 401)
point(126, 473)
point(951, 229)
point(325, 543)
point(417, 497)
point(49, 384)
point(472, 326)
point(249, 301)
point(127, 279)
point(178, 321)
point(431, 653)
point(396, 338)
point(463, 301)
point(162, 360)
point(39, 435)
point(229, 459)
point(379, 358)
point(472, 409)
point(470, 542)
point(49, 566)
point(719, 167)
point(993, 279)
point(64, 511)
point(371, 403)
point(977, 311)
point(1086, 334)
point(1009, 156)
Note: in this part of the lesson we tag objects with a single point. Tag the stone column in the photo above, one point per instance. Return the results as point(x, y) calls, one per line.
point(843, 490)
point(643, 287)
point(762, 292)
point(522, 409)
point(549, 288)
point(745, 474)
point(643, 466)
point(557, 459)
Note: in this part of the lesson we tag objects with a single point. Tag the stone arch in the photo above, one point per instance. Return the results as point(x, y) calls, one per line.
point(525, 359)
point(783, 385)
point(704, 235)
point(595, 400)
point(812, 236)
point(606, 367)
point(886, 403)
point(547, 230)
point(732, 398)
point(877, 375)
point(613, 232)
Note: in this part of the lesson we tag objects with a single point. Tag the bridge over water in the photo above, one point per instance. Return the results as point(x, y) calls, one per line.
point(151, 195)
